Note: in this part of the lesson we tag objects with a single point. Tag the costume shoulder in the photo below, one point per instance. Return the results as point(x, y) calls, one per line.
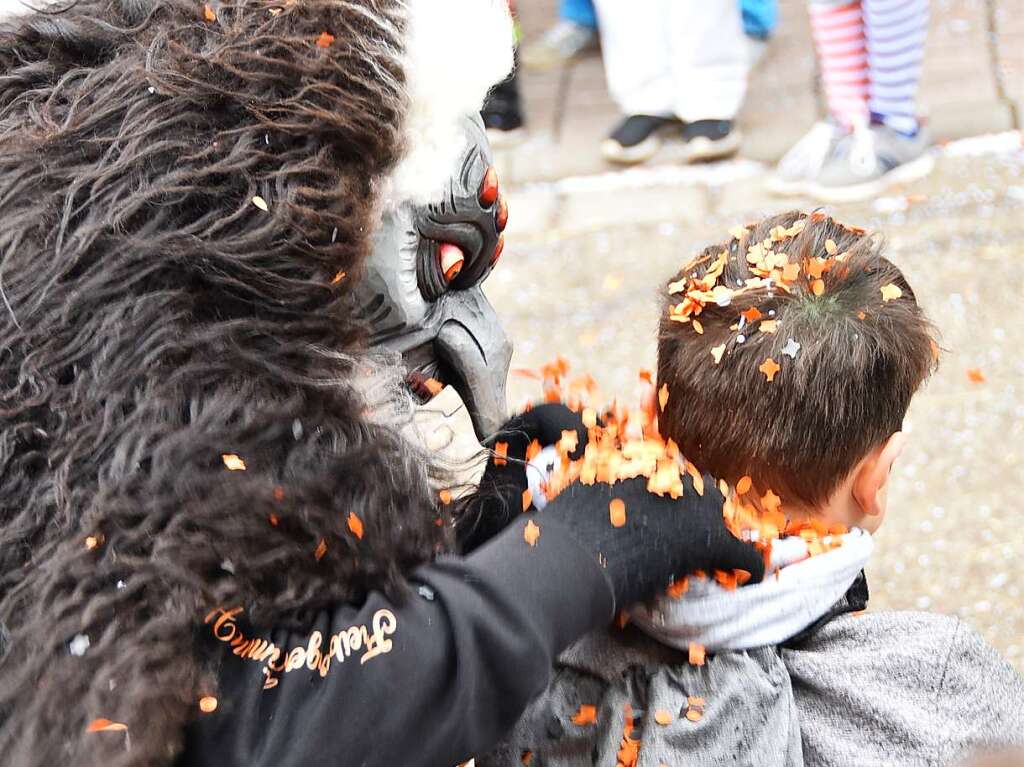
point(903, 688)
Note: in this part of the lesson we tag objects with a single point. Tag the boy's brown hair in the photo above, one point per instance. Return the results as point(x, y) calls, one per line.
point(816, 299)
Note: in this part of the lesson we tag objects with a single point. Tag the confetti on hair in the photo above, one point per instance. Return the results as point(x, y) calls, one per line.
point(769, 367)
point(568, 442)
point(936, 353)
point(587, 714)
point(93, 542)
point(974, 375)
point(446, 496)
point(818, 287)
point(325, 39)
point(738, 232)
point(527, 757)
point(531, 533)
point(771, 502)
point(663, 396)
point(105, 725)
point(753, 314)
point(744, 485)
point(768, 326)
point(861, 316)
point(355, 525)
point(233, 462)
point(717, 353)
point(663, 717)
point(321, 549)
point(696, 654)
point(678, 588)
point(260, 203)
point(831, 248)
point(207, 704)
point(500, 453)
point(208, 13)
point(791, 349)
point(278, 494)
point(617, 512)
point(890, 292)
point(338, 277)
point(698, 327)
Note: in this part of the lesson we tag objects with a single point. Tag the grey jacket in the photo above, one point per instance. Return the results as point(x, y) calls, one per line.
point(896, 688)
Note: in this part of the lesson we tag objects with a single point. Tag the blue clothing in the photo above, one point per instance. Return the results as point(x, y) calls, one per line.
point(580, 12)
point(759, 17)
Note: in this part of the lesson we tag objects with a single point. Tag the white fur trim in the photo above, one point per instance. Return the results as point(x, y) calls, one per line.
point(456, 50)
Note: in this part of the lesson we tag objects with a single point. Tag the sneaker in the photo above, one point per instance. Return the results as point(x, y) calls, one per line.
point(503, 114)
point(636, 139)
point(704, 140)
point(799, 167)
point(869, 161)
point(565, 42)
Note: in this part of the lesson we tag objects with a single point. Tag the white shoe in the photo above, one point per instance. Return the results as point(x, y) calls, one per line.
point(798, 169)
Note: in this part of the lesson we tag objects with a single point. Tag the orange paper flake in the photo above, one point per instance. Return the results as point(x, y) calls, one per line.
point(769, 367)
point(355, 525)
point(678, 588)
point(500, 453)
point(696, 654)
point(531, 533)
point(208, 13)
point(587, 714)
point(207, 704)
point(818, 287)
point(753, 314)
point(434, 386)
point(446, 496)
point(974, 375)
point(534, 448)
point(321, 549)
point(744, 485)
point(527, 499)
point(663, 717)
point(617, 512)
point(325, 39)
point(233, 462)
point(105, 725)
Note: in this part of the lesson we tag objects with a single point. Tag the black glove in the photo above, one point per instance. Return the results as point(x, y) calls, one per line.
point(500, 497)
point(662, 540)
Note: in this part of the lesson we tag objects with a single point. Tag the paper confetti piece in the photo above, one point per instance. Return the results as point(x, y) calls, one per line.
point(717, 353)
point(890, 292)
point(433, 386)
point(698, 327)
point(531, 533)
point(527, 757)
point(355, 525)
point(338, 277)
point(791, 349)
point(831, 248)
point(768, 326)
point(818, 287)
point(663, 396)
point(769, 367)
point(208, 12)
point(321, 549)
point(446, 496)
point(744, 485)
point(662, 717)
point(678, 588)
point(325, 39)
point(617, 512)
point(861, 315)
point(815, 267)
point(753, 314)
point(207, 704)
point(105, 725)
point(500, 453)
point(771, 501)
point(279, 494)
point(527, 499)
point(233, 462)
point(696, 654)
point(790, 272)
point(935, 349)
point(586, 715)
point(93, 542)
point(974, 375)
point(260, 203)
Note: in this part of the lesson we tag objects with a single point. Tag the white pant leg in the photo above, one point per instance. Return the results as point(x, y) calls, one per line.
point(710, 60)
point(636, 47)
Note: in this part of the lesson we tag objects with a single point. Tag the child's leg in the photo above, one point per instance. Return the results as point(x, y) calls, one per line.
point(838, 29)
point(896, 31)
point(579, 12)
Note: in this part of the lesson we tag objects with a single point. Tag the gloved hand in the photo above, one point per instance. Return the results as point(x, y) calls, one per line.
point(661, 541)
point(500, 497)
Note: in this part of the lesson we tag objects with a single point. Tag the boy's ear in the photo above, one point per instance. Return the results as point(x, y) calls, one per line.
point(873, 474)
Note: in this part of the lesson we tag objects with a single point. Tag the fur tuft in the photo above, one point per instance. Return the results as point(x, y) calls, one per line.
point(456, 50)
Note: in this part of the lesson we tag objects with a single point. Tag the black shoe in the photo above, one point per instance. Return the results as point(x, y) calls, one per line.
point(709, 140)
point(503, 113)
point(636, 138)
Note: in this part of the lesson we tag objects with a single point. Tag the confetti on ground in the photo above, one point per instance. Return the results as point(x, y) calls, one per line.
point(974, 375)
point(105, 725)
point(278, 493)
point(586, 715)
point(694, 708)
point(321, 549)
point(861, 316)
point(663, 717)
point(769, 367)
point(531, 533)
point(260, 203)
point(233, 462)
point(207, 704)
point(355, 525)
point(617, 512)
point(325, 40)
point(890, 292)
point(696, 654)
point(500, 453)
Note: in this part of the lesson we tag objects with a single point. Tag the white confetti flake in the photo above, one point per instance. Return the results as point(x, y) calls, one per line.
point(260, 203)
point(791, 349)
point(78, 645)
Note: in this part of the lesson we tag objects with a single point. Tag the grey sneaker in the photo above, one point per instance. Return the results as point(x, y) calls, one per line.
point(869, 161)
point(798, 169)
point(563, 43)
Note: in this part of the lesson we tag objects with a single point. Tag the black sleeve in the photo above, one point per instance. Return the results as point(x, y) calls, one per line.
point(431, 682)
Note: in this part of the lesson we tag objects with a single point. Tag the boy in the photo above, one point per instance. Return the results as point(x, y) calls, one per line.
point(789, 356)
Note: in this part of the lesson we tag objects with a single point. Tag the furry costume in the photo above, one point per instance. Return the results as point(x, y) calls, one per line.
point(187, 198)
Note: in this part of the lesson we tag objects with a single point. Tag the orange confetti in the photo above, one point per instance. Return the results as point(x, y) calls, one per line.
point(527, 757)
point(815, 267)
point(974, 375)
point(321, 549)
point(339, 277)
point(694, 708)
point(207, 704)
point(698, 327)
point(527, 499)
point(273, 519)
point(589, 417)
point(890, 292)
point(744, 485)
point(105, 725)
point(94, 541)
point(717, 353)
point(446, 496)
point(586, 715)
point(818, 287)
point(278, 493)
point(861, 315)
point(534, 448)
point(753, 314)
point(696, 654)
point(433, 386)
point(617, 512)
point(531, 533)
point(645, 376)
point(678, 588)
point(768, 326)
point(662, 717)
point(769, 367)
point(831, 248)
point(208, 12)
point(935, 349)
point(355, 525)
point(771, 501)
point(663, 396)
point(233, 462)
point(500, 453)
point(569, 441)
point(325, 39)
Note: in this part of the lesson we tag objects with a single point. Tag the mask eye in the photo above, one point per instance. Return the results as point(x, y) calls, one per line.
point(451, 260)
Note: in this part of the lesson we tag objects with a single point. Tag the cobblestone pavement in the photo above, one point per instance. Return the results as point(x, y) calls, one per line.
point(954, 539)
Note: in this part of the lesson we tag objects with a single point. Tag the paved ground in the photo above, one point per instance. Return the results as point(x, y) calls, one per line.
point(583, 262)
